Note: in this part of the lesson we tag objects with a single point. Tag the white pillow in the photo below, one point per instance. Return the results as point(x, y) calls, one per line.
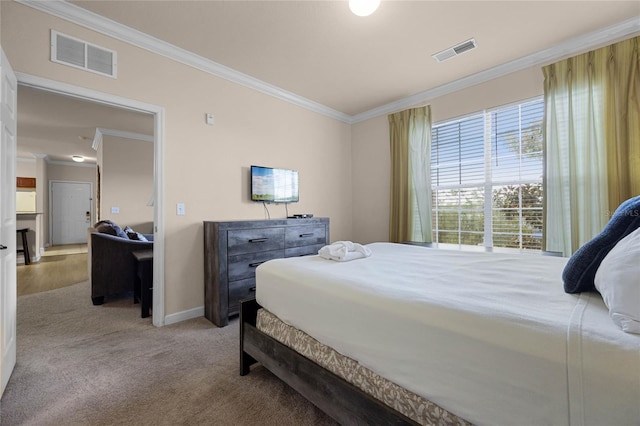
point(618, 281)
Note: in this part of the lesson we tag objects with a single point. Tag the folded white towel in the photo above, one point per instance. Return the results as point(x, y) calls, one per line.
point(344, 251)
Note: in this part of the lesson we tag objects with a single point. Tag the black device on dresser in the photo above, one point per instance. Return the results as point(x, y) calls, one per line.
point(233, 250)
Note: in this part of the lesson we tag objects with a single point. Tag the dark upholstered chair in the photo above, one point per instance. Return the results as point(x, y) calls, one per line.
point(113, 267)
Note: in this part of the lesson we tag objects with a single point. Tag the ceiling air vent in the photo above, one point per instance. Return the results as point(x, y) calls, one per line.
point(80, 54)
point(455, 50)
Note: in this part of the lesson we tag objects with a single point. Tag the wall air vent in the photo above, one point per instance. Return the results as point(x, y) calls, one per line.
point(455, 50)
point(80, 54)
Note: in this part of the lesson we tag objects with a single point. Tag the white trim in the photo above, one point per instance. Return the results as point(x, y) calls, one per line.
point(56, 162)
point(97, 139)
point(70, 163)
point(184, 315)
point(574, 46)
point(101, 132)
point(159, 143)
point(83, 93)
point(108, 27)
point(158, 218)
point(123, 134)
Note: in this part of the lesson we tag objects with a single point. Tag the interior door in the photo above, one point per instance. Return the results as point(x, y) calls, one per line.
point(8, 299)
point(70, 212)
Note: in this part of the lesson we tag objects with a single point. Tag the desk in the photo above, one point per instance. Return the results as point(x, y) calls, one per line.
point(144, 287)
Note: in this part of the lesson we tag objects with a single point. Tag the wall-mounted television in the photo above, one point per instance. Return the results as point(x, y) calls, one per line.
point(271, 185)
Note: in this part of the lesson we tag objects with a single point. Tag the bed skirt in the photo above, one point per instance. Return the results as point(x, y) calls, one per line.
point(409, 404)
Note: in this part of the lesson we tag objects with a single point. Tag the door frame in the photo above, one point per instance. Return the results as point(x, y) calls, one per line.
point(158, 113)
point(91, 201)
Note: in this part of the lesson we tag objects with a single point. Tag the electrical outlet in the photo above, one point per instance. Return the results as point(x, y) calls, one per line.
point(115, 210)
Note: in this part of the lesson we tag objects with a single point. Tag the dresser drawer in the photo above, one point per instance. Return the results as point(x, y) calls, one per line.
point(243, 266)
point(302, 251)
point(298, 236)
point(239, 290)
point(254, 240)
point(234, 249)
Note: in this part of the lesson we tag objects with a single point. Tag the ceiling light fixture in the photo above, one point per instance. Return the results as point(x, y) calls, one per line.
point(363, 7)
point(77, 158)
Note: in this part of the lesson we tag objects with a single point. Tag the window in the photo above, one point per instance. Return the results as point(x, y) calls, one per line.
point(486, 178)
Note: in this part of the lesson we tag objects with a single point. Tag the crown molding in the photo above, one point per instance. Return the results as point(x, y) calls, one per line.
point(77, 15)
point(123, 134)
point(574, 46)
point(97, 139)
point(25, 160)
point(71, 163)
point(101, 132)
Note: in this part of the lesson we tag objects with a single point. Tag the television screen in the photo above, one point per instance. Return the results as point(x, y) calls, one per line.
point(271, 185)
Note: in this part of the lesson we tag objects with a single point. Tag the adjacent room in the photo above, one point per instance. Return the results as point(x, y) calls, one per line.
point(65, 146)
point(401, 212)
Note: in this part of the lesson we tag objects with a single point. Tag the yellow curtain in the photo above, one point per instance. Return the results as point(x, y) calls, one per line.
point(592, 143)
point(410, 202)
point(622, 122)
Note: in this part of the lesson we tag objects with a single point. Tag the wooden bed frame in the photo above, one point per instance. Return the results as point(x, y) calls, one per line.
point(337, 398)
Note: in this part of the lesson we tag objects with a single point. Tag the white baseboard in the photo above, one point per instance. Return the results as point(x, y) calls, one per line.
point(184, 315)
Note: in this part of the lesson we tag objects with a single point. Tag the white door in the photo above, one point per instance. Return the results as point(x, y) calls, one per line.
point(70, 212)
point(8, 300)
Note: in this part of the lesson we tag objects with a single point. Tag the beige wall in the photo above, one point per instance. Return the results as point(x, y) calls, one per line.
point(370, 142)
point(127, 182)
point(344, 170)
point(26, 168)
point(72, 173)
point(206, 167)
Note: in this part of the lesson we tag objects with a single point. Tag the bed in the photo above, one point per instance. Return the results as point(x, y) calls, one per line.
point(470, 337)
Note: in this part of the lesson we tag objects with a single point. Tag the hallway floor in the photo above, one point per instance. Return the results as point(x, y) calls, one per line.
point(60, 266)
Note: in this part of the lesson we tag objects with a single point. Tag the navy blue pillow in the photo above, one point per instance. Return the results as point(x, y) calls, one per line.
point(580, 271)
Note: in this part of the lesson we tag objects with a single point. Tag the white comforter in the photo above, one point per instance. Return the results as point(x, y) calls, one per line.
point(492, 338)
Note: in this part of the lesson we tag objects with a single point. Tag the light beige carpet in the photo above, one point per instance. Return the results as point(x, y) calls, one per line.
point(80, 364)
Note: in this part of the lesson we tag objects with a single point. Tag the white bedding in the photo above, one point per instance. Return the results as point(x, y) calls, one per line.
point(490, 337)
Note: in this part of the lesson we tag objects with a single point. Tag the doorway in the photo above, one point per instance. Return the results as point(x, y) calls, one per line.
point(70, 212)
point(157, 113)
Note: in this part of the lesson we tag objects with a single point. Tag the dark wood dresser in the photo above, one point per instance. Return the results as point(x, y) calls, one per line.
point(233, 250)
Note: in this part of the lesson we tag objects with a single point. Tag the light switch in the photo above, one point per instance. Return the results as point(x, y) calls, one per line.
point(180, 210)
point(115, 210)
point(209, 119)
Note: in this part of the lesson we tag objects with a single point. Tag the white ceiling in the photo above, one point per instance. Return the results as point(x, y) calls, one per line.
point(320, 51)
point(58, 126)
point(323, 52)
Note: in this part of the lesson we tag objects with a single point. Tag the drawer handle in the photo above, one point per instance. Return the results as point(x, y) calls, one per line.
point(306, 235)
point(255, 264)
point(252, 289)
point(258, 240)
